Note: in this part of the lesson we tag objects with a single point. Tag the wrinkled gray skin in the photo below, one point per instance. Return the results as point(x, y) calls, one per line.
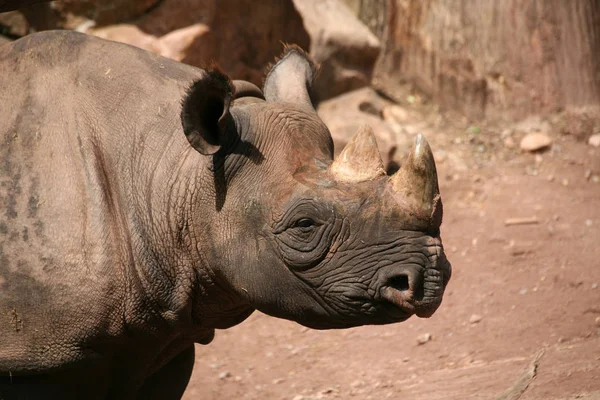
point(122, 243)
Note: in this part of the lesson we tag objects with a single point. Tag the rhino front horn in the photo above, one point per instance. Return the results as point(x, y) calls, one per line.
point(417, 180)
point(360, 160)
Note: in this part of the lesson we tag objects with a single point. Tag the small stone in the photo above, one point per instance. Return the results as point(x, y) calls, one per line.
point(550, 178)
point(506, 133)
point(395, 114)
point(475, 318)
point(565, 182)
point(595, 179)
point(588, 174)
point(509, 142)
point(224, 375)
point(555, 217)
point(357, 383)
point(278, 381)
point(595, 285)
point(594, 140)
point(523, 291)
point(588, 222)
point(598, 321)
point(405, 359)
point(539, 159)
point(424, 338)
point(535, 141)
point(298, 397)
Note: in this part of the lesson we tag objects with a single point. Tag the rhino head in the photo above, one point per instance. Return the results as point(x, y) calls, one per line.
point(293, 232)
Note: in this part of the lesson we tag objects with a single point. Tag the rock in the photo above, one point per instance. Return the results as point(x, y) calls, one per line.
point(535, 142)
point(509, 142)
point(594, 140)
point(212, 31)
point(126, 33)
point(176, 45)
point(197, 32)
point(475, 318)
point(343, 46)
point(195, 39)
point(344, 117)
point(69, 14)
point(224, 375)
point(597, 321)
point(395, 114)
point(105, 12)
point(424, 338)
point(13, 24)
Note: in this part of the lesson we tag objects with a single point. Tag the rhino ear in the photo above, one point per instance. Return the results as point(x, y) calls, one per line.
point(205, 112)
point(290, 79)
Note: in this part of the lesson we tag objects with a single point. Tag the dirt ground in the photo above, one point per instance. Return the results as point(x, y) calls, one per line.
point(518, 291)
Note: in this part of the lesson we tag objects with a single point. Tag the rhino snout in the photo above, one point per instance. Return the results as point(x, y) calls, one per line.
point(414, 288)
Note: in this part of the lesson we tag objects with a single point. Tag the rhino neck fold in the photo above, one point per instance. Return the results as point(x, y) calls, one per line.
point(158, 214)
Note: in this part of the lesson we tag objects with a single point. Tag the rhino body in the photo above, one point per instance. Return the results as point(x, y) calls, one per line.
point(146, 203)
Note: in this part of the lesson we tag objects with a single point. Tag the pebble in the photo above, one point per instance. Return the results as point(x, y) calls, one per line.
point(588, 174)
point(395, 114)
point(224, 375)
point(523, 291)
point(588, 222)
point(594, 140)
point(598, 321)
point(424, 338)
point(509, 142)
point(550, 178)
point(594, 285)
point(535, 141)
point(475, 318)
point(506, 133)
point(565, 182)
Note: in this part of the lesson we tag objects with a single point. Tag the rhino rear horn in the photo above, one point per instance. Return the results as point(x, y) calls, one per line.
point(290, 79)
point(417, 181)
point(205, 112)
point(360, 160)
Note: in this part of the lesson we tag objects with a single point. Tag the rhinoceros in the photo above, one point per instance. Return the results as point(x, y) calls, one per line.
point(146, 203)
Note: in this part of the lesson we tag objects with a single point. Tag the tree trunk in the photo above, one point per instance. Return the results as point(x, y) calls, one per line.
point(491, 58)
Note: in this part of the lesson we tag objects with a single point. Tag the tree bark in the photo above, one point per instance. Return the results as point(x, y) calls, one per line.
point(493, 58)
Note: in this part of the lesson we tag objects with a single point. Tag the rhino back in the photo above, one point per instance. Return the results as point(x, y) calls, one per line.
point(81, 120)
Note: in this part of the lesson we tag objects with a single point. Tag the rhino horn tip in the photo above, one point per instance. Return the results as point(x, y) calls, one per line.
point(417, 179)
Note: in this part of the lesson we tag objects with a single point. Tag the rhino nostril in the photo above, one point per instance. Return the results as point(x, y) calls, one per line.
point(400, 283)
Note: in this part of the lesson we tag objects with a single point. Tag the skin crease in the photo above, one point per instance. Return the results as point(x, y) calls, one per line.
point(121, 244)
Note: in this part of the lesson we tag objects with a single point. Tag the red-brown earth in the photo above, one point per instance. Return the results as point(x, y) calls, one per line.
point(517, 291)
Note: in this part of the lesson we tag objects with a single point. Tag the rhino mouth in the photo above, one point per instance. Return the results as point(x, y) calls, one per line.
point(413, 289)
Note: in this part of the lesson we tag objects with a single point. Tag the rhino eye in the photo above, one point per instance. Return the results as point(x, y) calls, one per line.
point(304, 223)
